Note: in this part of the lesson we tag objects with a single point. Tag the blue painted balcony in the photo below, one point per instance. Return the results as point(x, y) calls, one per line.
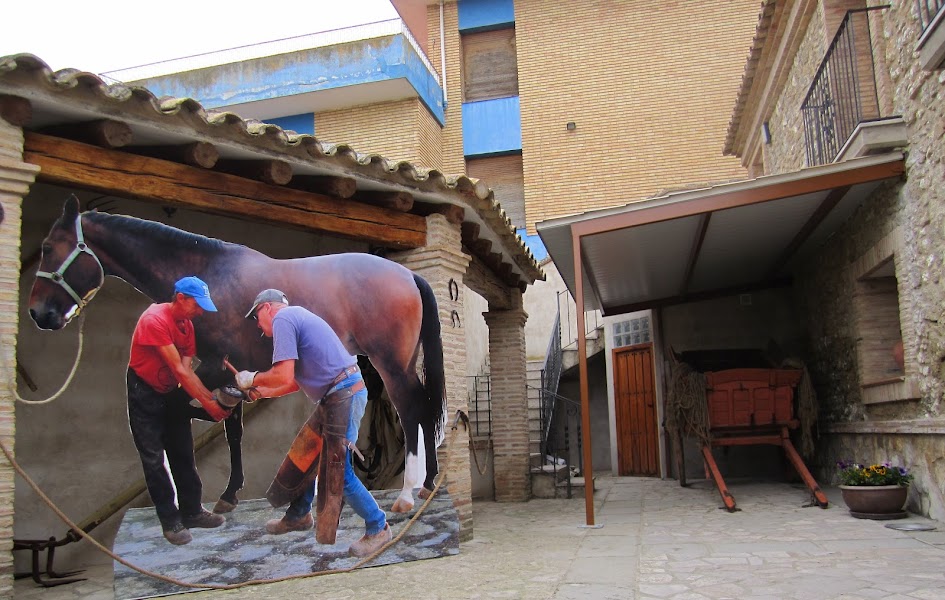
point(332, 70)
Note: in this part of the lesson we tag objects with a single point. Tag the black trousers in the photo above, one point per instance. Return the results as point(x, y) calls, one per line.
point(160, 423)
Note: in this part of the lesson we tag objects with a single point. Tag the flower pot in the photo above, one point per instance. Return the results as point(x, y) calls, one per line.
point(875, 501)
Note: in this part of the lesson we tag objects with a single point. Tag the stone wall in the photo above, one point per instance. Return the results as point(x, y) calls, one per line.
point(906, 431)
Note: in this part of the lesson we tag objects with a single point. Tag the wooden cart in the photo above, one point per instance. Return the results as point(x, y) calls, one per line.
point(748, 407)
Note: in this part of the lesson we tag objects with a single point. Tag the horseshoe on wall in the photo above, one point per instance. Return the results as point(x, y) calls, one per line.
point(454, 290)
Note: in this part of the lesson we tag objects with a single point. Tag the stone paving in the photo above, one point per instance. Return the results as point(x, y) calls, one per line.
point(658, 541)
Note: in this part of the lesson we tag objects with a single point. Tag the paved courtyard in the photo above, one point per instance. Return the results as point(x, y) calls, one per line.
point(658, 541)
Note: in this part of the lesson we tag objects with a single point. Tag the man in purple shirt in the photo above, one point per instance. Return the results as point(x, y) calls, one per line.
point(308, 355)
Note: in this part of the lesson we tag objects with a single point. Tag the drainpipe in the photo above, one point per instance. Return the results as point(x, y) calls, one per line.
point(443, 56)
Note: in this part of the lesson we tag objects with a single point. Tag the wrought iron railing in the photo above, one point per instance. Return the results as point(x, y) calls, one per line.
point(928, 11)
point(480, 405)
point(550, 377)
point(843, 93)
point(567, 317)
point(561, 443)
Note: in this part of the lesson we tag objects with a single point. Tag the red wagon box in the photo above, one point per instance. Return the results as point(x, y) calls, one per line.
point(751, 397)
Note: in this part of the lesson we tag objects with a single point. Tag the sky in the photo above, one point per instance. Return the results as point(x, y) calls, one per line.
point(105, 35)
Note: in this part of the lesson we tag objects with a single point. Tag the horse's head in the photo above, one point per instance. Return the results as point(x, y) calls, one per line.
point(69, 272)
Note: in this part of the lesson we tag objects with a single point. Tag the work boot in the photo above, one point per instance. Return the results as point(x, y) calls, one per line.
point(204, 519)
point(177, 534)
point(369, 544)
point(287, 524)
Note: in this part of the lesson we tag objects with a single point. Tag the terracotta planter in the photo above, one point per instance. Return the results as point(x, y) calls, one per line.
point(875, 501)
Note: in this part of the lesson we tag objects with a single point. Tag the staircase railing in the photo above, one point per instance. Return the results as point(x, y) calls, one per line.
point(550, 377)
point(557, 451)
point(567, 320)
point(480, 402)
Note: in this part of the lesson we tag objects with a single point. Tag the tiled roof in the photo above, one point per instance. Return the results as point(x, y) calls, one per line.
point(751, 71)
point(70, 95)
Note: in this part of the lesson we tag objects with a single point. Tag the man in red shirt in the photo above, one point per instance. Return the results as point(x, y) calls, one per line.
point(161, 383)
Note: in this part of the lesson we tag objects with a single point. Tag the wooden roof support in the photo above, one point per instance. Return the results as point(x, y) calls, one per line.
point(69, 163)
point(196, 154)
point(329, 185)
point(454, 214)
point(15, 110)
point(104, 133)
point(273, 172)
point(402, 201)
point(482, 280)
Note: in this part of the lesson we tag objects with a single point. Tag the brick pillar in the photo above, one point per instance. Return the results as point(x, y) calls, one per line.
point(15, 179)
point(440, 262)
point(509, 400)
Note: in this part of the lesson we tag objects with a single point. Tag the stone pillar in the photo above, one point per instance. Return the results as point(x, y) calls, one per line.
point(441, 262)
point(509, 398)
point(15, 179)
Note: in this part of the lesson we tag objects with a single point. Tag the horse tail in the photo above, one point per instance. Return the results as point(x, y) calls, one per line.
point(434, 377)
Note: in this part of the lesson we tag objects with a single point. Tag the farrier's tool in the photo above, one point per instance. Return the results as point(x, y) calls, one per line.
point(229, 395)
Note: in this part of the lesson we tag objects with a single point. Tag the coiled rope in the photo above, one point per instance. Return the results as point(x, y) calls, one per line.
point(214, 586)
point(65, 384)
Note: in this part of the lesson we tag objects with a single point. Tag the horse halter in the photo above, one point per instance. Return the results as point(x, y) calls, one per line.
point(58, 276)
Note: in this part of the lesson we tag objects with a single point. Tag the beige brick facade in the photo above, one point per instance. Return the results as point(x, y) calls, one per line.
point(648, 85)
point(15, 179)
point(399, 131)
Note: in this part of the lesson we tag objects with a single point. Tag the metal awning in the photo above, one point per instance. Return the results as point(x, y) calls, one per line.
point(696, 244)
point(708, 242)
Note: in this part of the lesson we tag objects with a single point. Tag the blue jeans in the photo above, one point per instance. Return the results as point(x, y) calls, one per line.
point(355, 494)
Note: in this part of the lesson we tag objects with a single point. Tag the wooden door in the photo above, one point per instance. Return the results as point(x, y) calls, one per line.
point(637, 437)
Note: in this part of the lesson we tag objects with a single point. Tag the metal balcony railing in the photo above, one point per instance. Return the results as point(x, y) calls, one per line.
point(843, 93)
point(928, 11)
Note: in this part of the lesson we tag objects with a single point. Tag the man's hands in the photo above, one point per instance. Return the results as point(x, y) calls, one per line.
point(215, 409)
point(244, 379)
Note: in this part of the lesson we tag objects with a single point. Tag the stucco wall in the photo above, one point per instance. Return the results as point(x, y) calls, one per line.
point(79, 448)
point(541, 304)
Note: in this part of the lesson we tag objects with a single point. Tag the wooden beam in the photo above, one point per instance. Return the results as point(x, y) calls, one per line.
point(126, 175)
point(401, 201)
point(694, 251)
point(828, 204)
point(104, 133)
point(197, 154)
point(482, 280)
point(15, 110)
point(455, 214)
point(272, 172)
point(340, 187)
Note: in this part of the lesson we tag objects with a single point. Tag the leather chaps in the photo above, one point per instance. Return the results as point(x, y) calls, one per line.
point(319, 449)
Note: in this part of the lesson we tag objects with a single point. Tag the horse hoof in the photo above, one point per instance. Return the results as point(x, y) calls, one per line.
point(222, 506)
point(424, 493)
point(401, 506)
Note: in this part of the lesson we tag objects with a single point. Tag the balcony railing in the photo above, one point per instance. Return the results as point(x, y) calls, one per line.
point(843, 93)
point(928, 10)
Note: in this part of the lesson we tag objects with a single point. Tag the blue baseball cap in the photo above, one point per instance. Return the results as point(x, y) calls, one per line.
point(196, 289)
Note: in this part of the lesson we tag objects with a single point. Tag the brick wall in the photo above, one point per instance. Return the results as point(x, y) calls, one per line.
point(440, 262)
point(15, 179)
point(453, 159)
point(509, 401)
point(391, 129)
point(648, 84)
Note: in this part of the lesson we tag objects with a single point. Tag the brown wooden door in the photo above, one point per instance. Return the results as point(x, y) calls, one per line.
point(637, 438)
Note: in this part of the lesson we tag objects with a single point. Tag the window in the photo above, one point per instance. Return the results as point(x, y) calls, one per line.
point(883, 347)
point(932, 41)
point(632, 332)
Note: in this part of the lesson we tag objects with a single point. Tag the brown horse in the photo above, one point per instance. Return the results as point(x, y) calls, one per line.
point(377, 307)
